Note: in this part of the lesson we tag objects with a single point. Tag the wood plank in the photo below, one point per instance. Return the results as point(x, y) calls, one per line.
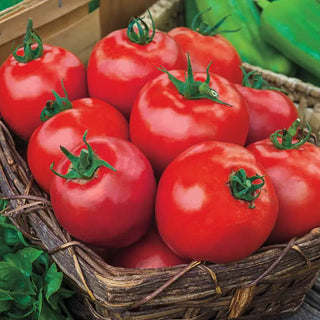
point(115, 14)
point(42, 12)
point(79, 37)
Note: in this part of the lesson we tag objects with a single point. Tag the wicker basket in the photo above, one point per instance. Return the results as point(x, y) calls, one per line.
point(268, 284)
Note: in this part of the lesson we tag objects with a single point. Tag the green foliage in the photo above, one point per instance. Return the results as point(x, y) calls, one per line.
point(30, 287)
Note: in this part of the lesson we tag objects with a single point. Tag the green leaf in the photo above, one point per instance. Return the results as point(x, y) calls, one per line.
point(12, 235)
point(23, 259)
point(23, 301)
point(48, 314)
point(37, 280)
point(53, 280)
point(4, 249)
point(12, 279)
point(5, 300)
point(42, 263)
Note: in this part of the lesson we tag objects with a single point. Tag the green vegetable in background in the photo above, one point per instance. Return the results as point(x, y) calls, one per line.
point(190, 11)
point(248, 41)
point(293, 27)
point(30, 288)
point(306, 76)
point(4, 4)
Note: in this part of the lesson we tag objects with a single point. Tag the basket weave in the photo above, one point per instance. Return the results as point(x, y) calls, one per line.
point(270, 283)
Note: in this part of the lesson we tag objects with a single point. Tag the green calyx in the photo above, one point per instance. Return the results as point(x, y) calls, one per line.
point(56, 106)
point(192, 89)
point(203, 28)
point(138, 31)
point(84, 166)
point(286, 136)
point(31, 37)
point(255, 80)
point(243, 188)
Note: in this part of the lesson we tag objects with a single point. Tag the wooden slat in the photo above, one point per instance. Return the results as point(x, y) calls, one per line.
point(115, 14)
point(79, 37)
point(13, 24)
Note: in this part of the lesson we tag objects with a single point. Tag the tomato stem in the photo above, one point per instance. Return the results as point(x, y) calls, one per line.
point(84, 166)
point(203, 28)
point(192, 89)
point(286, 136)
point(30, 53)
point(255, 80)
point(141, 36)
point(243, 188)
point(54, 107)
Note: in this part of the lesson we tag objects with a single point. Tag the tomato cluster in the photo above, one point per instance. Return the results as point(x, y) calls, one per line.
point(159, 149)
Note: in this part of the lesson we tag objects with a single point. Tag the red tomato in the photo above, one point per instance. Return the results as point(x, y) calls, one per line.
point(164, 123)
point(204, 49)
point(26, 87)
point(197, 215)
point(295, 174)
point(113, 208)
point(118, 68)
point(269, 110)
point(67, 128)
point(148, 252)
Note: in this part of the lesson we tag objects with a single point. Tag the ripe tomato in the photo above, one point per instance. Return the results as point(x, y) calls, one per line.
point(107, 208)
point(164, 122)
point(269, 109)
point(198, 212)
point(204, 49)
point(148, 252)
point(67, 128)
point(26, 87)
point(295, 174)
point(118, 67)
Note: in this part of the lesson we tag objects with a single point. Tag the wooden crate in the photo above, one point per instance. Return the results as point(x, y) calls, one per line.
point(65, 23)
point(115, 14)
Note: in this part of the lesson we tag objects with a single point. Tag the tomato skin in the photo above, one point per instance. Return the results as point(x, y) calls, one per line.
point(113, 209)
point(119, 68)
point(148, 252)
point(203, 49)
point(269, 110)
point(296, 177)
point(196, 214)
point(163, 123)
point(67, 129)
point(26, 87)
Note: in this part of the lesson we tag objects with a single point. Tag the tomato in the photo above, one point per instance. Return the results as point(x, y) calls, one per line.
point(26, 87)
point(204, 49)
point(67, 128)
point(118, 67)
point(164, 122)
point(198, 211)
point(148, 252)
point(295, 174)
point(101, 206)
point(269, 110)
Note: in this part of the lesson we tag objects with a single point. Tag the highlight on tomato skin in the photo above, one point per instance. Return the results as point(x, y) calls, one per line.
point(107, 199)
point(216, 203)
